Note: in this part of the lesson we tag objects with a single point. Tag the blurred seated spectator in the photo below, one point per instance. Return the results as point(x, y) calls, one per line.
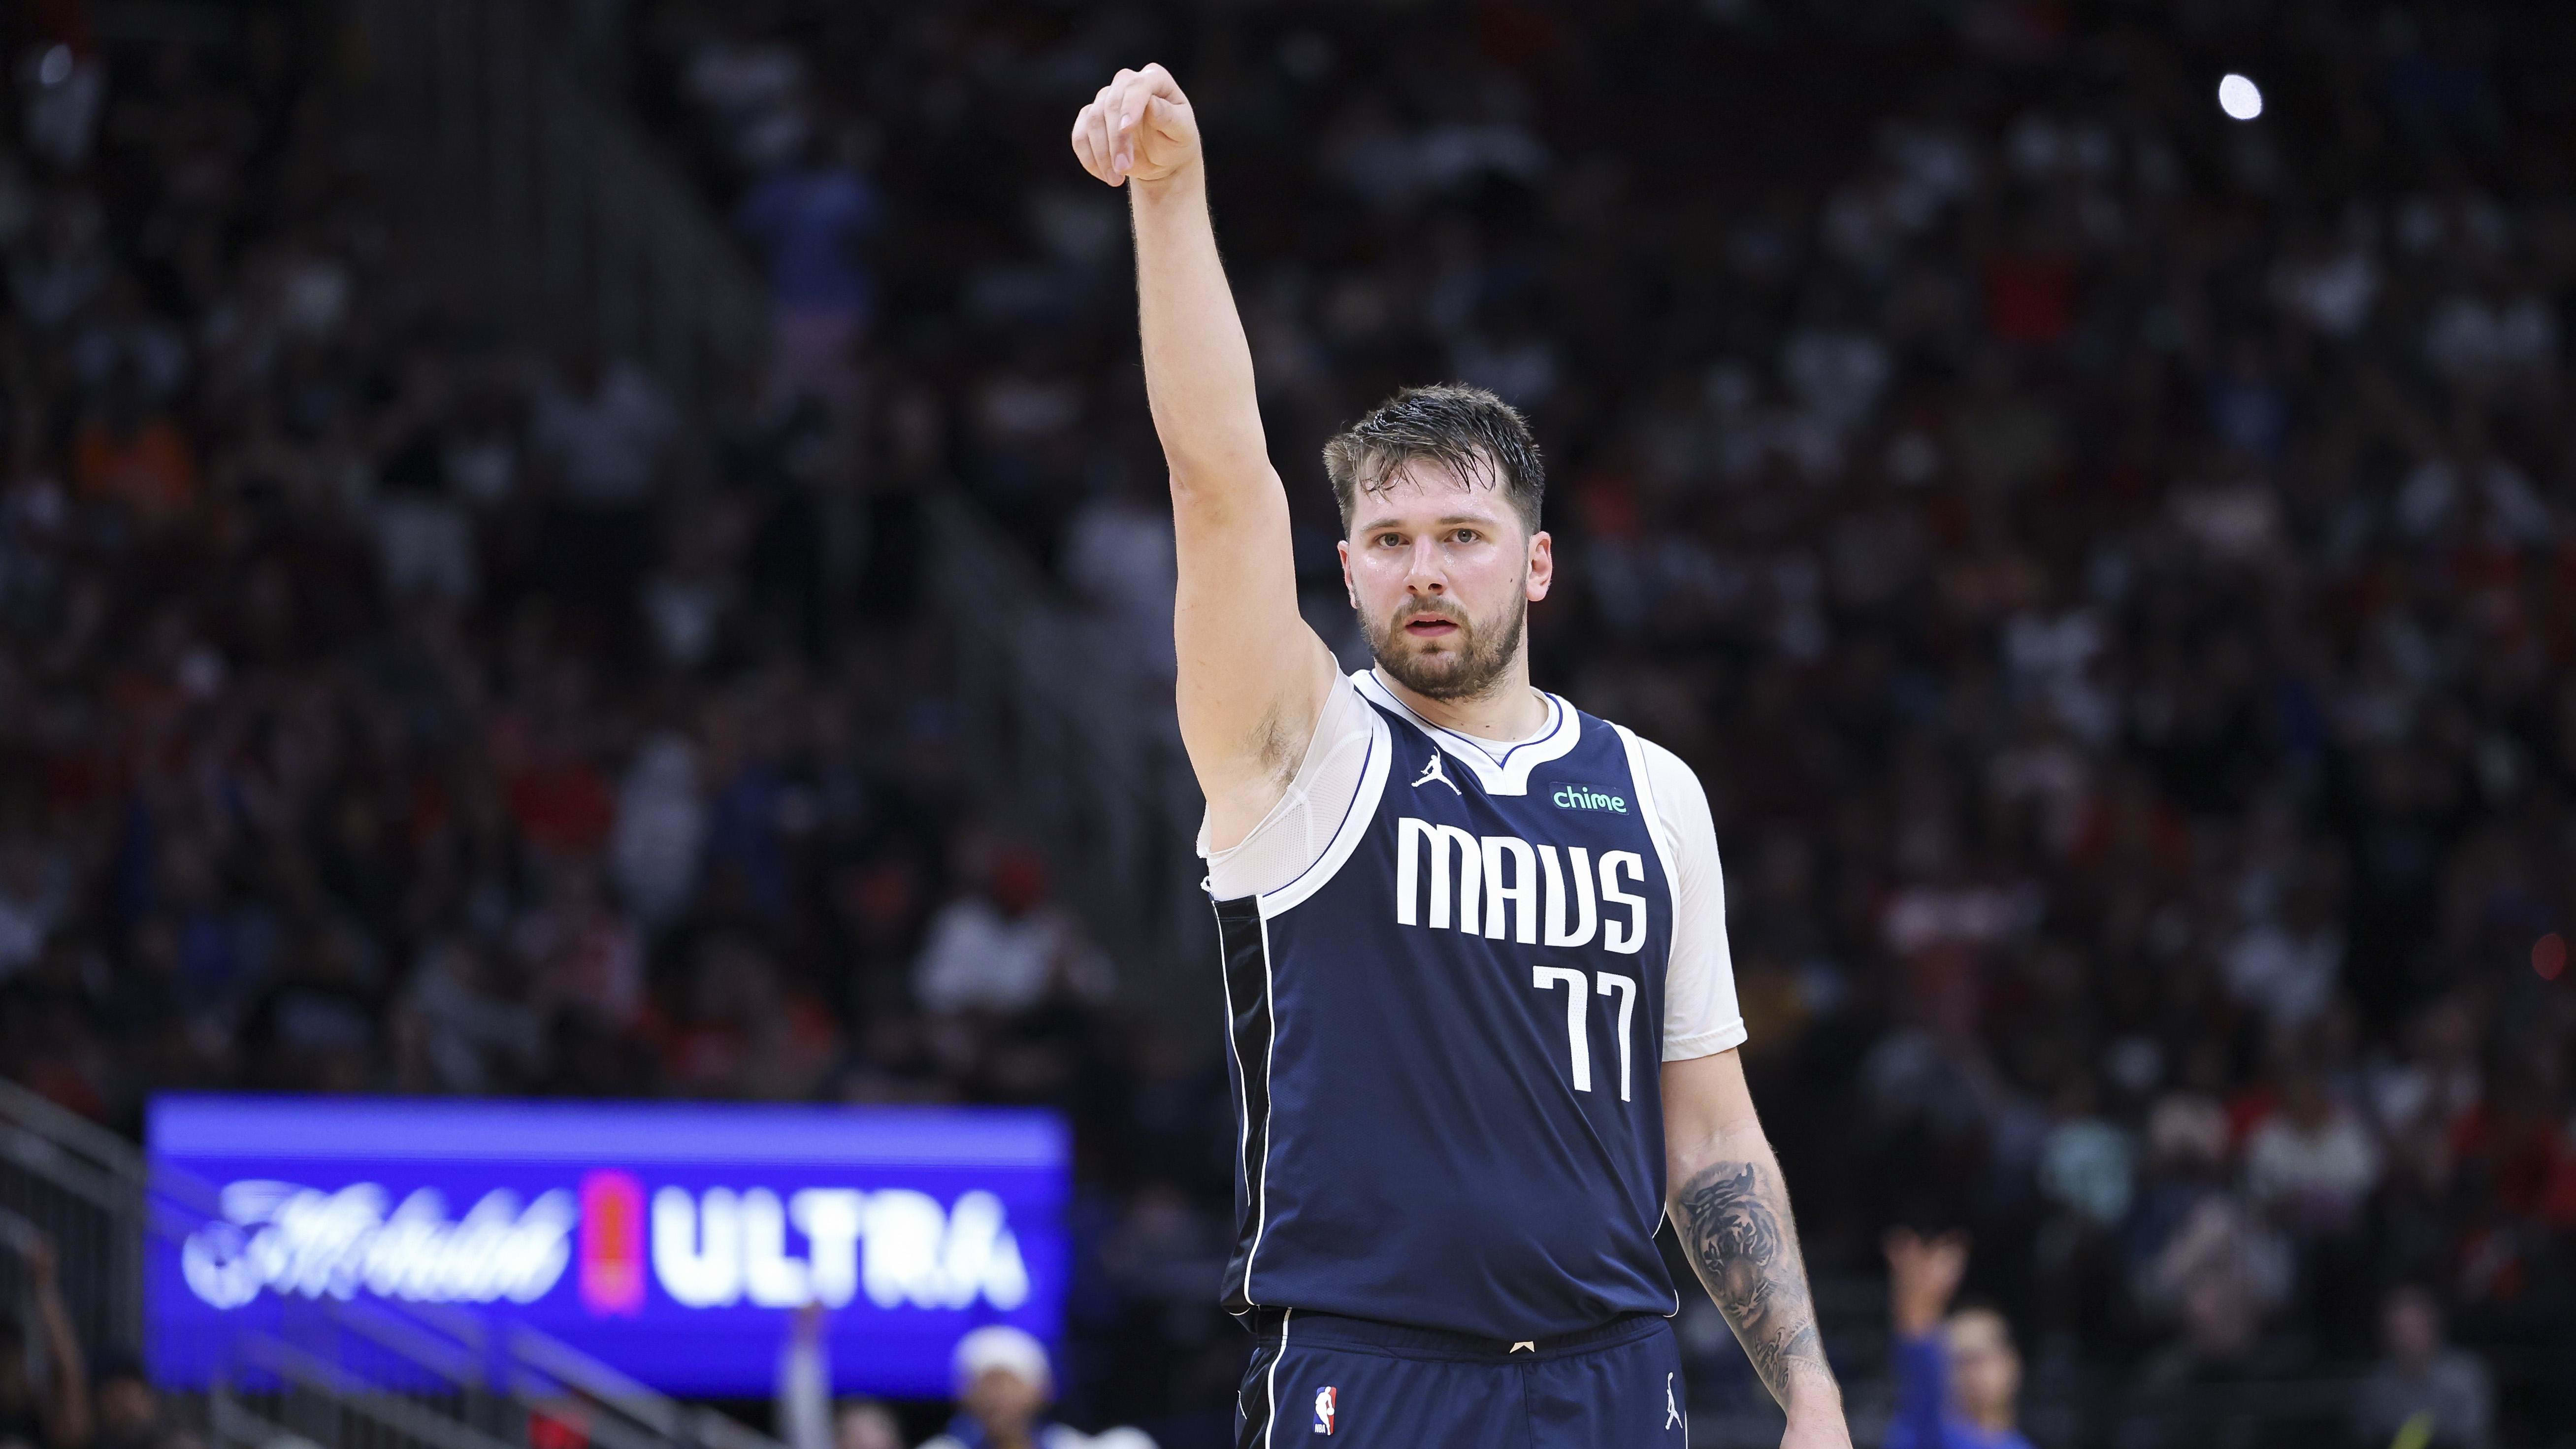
point(1003, 946)
point(48, 1416)
point(605, 430)
point(2288, 968)
point(128, 1410)
point(1957, 1374)
point(35, 891)
point(2189, 1395)
point(1118, 557)
point(752, 87)
point(605, 427)
point(1004, 1386)
point(2423, 1394)
point(807, 222)
point(656, 848)
point(471, 1034)
point(2313, 1162)
point(128, 454)
point(585, 955)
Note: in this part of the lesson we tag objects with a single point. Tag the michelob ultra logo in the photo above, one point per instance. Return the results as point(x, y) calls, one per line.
point(711, 1248)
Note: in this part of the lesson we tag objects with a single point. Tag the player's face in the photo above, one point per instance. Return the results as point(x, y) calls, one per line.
point(1443, 577)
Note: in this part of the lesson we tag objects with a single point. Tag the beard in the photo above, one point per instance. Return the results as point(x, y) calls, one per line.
point(1467, 667)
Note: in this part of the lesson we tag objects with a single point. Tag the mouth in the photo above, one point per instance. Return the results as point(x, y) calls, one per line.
point(1430, 626)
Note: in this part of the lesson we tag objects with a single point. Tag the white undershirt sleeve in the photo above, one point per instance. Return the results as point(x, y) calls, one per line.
point(1299, 829)
point(1701, 1017)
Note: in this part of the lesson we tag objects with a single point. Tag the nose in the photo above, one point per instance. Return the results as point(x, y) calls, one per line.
point(1423, 573)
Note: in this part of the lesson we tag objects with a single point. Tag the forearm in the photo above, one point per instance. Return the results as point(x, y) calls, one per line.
point(1198, 366)
point(1731, 1210)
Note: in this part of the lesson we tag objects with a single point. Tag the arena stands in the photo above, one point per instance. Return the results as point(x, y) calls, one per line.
point(2113, 566)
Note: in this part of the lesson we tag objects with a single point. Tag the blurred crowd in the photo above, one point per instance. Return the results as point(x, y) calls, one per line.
point(392, 703)
point(2112, 566)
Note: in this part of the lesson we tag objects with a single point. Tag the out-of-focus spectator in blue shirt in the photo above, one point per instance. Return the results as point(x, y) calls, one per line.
point(1957, 1377)
point(807, 222)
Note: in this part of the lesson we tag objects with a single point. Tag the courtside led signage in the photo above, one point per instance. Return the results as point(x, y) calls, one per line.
point(670, 1240)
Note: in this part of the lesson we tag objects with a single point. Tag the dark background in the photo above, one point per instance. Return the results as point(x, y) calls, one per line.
point(2113, 568)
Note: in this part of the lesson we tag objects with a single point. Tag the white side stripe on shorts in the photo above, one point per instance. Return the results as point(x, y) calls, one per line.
point(1272, 1379)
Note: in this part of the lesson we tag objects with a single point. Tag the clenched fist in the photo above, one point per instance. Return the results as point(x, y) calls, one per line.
point(1140, 126)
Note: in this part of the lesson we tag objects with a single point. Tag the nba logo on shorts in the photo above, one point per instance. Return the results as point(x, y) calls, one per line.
point(1324, 1410)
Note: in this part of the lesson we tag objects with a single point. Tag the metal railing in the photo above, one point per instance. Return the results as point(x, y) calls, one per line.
point(360, 1373)
point(540, 206)
point(1087, 755)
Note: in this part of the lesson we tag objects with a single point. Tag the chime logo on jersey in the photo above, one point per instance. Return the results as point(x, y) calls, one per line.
point(1503, 886)
point(1588, 797)
point(1324, 1409)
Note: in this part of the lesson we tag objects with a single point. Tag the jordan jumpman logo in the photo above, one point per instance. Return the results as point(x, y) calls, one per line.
point(1431, 772)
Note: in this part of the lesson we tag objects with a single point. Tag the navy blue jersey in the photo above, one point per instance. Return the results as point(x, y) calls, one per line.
point(1446, 1041)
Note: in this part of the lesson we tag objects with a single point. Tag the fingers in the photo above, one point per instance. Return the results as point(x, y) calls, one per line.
point(1083, 150)
point(1134, 95)
point(1091, 137)
point(1139, 94)
point(1106, 132)
point(1159, 83)
point(1104, 120)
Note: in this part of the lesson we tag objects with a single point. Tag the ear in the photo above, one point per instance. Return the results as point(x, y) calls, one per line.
point(1542, 565)
point(1350, 591)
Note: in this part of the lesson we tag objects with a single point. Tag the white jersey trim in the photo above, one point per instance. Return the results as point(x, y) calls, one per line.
point(1242, 1085)
point(1269, 1055)
point(1347, 836)
point(1508, 775)
point(1652, 809)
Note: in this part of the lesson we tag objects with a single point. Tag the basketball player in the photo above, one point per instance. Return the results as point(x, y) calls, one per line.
point(1483, 1016)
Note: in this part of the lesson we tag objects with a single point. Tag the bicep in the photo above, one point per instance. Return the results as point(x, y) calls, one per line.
point(1252, 675)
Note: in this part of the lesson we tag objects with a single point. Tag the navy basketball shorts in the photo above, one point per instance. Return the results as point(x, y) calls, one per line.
point(1379, 1386)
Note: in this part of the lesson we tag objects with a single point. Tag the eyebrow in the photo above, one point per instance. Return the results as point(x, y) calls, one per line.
point(1453, 519)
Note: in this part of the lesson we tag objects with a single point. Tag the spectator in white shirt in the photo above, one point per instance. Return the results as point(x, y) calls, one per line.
point(2312, 1163)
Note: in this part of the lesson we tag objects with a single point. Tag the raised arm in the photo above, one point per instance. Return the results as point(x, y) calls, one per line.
point(1730, 1207)
point(1252, 676)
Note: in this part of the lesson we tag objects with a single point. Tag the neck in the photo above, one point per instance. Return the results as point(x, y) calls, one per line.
point(1510, 710)
point(1992, 1418)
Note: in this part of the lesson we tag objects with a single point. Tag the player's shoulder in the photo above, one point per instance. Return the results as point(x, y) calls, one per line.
point(1652, 754)
point(1670, 780)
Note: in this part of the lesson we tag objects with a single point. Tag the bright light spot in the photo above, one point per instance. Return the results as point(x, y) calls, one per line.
point(2240, 98)
point(55, 67)
point(2549, 956)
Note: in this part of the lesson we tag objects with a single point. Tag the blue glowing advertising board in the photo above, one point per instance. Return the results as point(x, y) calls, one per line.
point(670, 1240)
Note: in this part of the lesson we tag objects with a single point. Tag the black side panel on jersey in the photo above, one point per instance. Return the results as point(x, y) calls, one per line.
point(1253, 1020)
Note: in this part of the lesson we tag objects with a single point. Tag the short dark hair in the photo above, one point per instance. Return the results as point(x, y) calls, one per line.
point(1476, 436)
